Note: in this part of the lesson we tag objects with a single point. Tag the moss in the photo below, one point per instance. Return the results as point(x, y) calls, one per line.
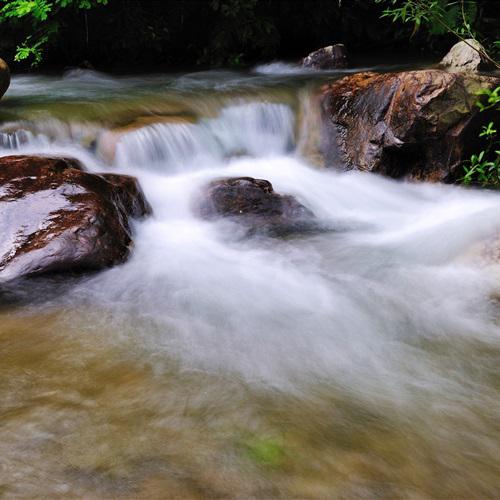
point(264, 451)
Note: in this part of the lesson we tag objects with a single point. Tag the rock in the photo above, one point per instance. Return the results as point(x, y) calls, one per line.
point(332, 57)
point(254, 204)
point(309, 126)
point(419, 125)
point(55, 217)
point(4, 77)
point(464, 57)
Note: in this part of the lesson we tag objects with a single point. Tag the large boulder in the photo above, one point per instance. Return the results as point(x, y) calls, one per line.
point(331, 57)
point(465, 56)
point(419, 125)
point(254, 204)
point(4, 77)
point(55, 217)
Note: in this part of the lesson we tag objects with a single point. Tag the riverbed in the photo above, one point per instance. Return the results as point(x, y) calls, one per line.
point(357, 362)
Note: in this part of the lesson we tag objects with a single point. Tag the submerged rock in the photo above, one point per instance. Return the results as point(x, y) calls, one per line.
point(55, 217)
point(419, 125)
point(4, 77)
point(464, 56)
point(331, 57)
point(255, 204)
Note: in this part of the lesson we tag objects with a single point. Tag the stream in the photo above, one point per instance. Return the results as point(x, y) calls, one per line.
point(355, 363)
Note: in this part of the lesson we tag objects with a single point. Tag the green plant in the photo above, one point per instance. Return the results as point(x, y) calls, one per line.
point(458, 17)
point(237, 27)
point(43, 16)
point(441, 17)
point(484, 168)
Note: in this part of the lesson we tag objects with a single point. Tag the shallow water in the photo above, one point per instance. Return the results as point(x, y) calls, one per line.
point(360, 362)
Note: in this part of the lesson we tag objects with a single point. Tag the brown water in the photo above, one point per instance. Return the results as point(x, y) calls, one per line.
point(361, 363)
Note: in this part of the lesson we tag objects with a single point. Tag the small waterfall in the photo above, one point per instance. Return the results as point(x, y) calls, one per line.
point(45, 133)
point(14, 140)
point(250, 129)
point(171, 146)
point(255, 129)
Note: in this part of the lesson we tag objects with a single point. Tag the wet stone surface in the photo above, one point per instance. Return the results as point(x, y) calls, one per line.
point(254, 204)
point(56, 217)
point(419, 125)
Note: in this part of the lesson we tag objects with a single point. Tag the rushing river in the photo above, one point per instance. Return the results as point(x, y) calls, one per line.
point(357, 363)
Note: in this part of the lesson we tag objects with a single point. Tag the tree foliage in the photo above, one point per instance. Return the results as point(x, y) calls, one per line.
point(43, 16)
point(483, 168)
point(180, 33)
point(439, 17)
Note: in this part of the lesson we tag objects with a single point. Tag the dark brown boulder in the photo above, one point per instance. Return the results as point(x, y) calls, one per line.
point(4, 77)
point(254, 204)
point(419, 125)
point(55, 217)
point(331, 57)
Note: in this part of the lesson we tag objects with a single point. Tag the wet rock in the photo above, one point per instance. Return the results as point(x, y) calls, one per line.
point(310, 122)
point(55, 217)
point(419, 125)
point(464, 56)
point(4, 77)
point(331, 57)
point(254, 204)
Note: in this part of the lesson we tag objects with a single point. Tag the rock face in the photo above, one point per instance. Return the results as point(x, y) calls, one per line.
point(463, 57)
point(4, 77)
point(332, 57)
point(419, 125)
point(55, 217)
point(253, 203)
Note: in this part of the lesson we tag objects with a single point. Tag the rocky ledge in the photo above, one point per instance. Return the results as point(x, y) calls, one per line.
point(4, 77)
point(419, 125)
point(56, 217)
point(254, 204)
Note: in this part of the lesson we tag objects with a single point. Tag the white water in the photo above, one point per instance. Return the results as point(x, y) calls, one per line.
point(346, 304)
point(349, 305)
point(254, 129)
point(365, 308)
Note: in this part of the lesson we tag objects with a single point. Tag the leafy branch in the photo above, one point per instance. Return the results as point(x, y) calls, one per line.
point(484, 168)
point(440, 17)
point(43, 17)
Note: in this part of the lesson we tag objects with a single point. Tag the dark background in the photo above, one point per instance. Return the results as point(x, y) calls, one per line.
point(160, 35)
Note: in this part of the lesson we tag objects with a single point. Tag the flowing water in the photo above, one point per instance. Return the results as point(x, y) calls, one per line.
point(357, 363)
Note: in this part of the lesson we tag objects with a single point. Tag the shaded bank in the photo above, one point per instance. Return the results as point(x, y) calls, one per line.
point(182, 33)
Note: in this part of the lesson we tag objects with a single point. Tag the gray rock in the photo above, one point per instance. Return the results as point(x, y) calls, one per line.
point(332, 57)
point(463, 57)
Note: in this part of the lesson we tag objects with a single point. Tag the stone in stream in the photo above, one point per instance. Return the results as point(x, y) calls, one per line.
point(331, 57)
point(55, 217)
point(4, 77)
point(419, 125)
point(465, 56)
point(254, 204)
